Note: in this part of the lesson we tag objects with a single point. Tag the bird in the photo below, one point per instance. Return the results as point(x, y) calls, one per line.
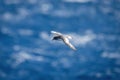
point(64, 38)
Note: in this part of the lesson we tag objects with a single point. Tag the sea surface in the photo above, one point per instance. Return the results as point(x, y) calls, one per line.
point(28, 53)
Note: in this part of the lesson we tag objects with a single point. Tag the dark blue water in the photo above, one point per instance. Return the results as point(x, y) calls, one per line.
point(26, 49)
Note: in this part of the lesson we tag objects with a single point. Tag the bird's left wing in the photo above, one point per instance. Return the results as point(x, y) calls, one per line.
point(66, 41)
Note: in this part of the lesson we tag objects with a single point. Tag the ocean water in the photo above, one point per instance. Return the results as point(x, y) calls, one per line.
point(28, 53)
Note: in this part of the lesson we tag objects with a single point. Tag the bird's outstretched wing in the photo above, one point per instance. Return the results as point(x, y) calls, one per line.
point(56, 33)
point(66, 41)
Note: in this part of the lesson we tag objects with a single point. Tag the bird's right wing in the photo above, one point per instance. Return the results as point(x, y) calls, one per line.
point(56, 33)
point(66, 41)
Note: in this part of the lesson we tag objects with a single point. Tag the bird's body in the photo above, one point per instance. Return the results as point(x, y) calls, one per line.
point(56, 37)
point(64, 38)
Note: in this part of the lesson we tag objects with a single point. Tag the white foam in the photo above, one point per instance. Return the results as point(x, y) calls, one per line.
point(78, 1)
point(12, 1)
point(112, 55)
point(83, 39)
point(7, 16)
point(25, 32)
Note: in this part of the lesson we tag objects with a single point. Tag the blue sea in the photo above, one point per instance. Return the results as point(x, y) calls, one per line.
point(28, 53)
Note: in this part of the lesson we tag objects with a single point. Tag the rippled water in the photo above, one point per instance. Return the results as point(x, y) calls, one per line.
point(26, 49)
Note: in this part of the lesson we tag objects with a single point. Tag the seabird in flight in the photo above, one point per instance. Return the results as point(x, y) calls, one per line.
point(64, 38)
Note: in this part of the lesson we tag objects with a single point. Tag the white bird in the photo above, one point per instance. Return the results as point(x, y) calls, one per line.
point(64, 38)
